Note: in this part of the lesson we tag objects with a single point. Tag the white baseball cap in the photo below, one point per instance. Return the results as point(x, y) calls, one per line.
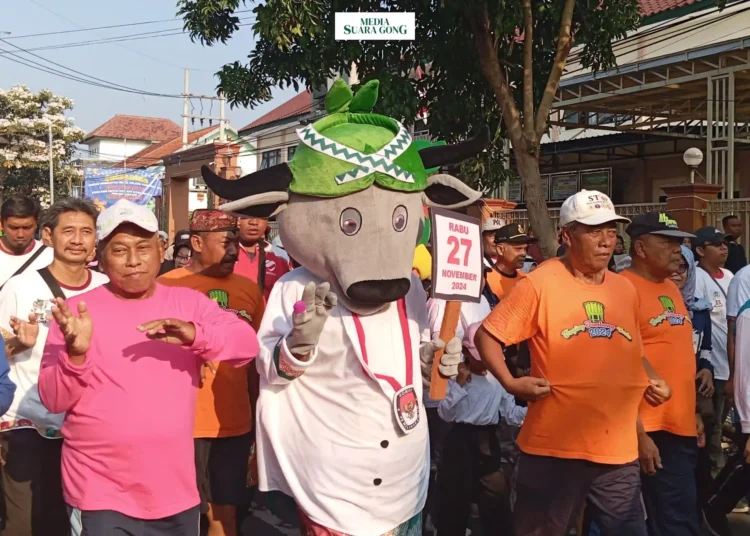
point(492, 223)
point(125, 211)
point(589, 207)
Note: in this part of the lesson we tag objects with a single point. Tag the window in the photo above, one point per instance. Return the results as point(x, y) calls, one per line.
point(290, 152)
point(270, 158)
point(199, 183)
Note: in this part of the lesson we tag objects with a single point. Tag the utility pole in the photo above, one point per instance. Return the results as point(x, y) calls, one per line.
point(185, 103)
point(51, 169)
point(186, 115)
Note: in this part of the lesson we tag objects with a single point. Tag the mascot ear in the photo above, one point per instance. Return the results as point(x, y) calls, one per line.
point(261, 194)
point(446, 191)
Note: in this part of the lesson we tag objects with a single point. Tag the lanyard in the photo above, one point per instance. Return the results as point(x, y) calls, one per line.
point(403, 320)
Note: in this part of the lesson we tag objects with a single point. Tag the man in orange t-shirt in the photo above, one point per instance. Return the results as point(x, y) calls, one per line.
point(223, 416)
point(668, 449)
point(511, 245)
point(587, 380)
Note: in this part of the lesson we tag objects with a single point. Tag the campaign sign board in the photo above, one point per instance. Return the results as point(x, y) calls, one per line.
point(457, 265)
point(104, 186)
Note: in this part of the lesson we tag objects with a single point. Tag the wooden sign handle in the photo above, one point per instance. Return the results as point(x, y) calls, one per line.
point(438, 382)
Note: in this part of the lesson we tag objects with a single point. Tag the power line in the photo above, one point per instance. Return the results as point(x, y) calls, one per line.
point(102, 83)
point(118, 39)
point(141, 23)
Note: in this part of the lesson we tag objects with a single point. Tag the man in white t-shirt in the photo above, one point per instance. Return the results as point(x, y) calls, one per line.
point(30, 435)
point(19, 216)
point(712, 284)
point(733, 482)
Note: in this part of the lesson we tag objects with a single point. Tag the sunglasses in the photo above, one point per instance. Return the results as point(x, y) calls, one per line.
point(716, 243)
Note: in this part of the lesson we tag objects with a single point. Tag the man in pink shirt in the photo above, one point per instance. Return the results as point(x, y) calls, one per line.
point(257, 260)
point(123, 361)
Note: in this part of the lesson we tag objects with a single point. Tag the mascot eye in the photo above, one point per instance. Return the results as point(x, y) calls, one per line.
point(350, 221)
point(400, 218)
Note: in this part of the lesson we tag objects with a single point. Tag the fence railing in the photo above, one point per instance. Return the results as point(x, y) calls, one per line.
point(730, 207)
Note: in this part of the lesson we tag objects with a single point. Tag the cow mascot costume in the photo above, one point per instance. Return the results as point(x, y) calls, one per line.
point(345, 346)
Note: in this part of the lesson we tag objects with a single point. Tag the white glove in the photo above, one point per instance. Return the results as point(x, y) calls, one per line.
point(308, 325)
point(448, 363)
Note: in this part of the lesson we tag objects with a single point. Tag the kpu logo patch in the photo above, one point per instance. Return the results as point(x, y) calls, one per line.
point(595, 324)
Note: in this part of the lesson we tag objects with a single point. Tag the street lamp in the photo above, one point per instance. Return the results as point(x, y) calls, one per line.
point(693, 158)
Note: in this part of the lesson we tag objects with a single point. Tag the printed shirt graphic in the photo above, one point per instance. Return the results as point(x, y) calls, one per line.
point(667, 334)
point(584, 339)
point(223, 405)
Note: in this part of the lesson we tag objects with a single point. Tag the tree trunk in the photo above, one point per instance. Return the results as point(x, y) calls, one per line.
point(527, 166)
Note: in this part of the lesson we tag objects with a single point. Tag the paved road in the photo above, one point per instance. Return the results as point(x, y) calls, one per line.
point(283, 521)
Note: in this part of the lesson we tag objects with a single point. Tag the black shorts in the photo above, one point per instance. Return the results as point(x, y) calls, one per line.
point(101, 522)
point(221, 469)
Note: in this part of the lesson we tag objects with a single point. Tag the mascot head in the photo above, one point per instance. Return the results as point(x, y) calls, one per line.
point(350, 202)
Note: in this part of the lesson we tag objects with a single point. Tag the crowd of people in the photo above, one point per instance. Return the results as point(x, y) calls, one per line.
point(591, 393)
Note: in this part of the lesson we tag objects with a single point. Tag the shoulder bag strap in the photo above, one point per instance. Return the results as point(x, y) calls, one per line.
point(52, 283)
point(27, 263)
point(715, 281)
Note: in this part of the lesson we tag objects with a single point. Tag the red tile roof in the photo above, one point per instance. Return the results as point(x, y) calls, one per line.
point(153, 154)
point(652, 7)
point(134, 127)
point(297, 105)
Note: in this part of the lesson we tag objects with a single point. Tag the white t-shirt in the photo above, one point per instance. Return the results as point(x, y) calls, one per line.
point(708, 289)
point(738, 306)
point(21, 296)
point(10, 263)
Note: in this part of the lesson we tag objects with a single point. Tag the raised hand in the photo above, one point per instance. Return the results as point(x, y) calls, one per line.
point(309, 318)
point(77, 330)
point(25, 332)
point(170, 330)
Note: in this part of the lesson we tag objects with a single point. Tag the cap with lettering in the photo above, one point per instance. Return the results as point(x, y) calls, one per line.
point(492, 223)
point(124, 211)
point(589, 207)
point(656, 223)
point(182, 238)
point(513, 233)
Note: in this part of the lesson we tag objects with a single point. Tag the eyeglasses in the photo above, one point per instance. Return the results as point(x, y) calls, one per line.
point(681, 269)
point(183, 257)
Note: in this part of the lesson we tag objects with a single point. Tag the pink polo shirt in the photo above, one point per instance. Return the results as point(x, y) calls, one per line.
point(275, 267)
point(131, 406)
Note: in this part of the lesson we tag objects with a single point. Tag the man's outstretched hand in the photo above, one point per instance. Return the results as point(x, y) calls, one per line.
point(77, 330)
point(170, 330)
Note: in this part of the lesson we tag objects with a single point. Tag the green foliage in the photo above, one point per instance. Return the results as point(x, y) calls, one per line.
point(295, 46)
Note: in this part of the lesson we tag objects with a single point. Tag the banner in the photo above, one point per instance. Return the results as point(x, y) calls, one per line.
point(105, 186)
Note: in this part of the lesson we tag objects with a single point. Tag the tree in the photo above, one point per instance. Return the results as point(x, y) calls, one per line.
point(483, 61)
point(25, 118)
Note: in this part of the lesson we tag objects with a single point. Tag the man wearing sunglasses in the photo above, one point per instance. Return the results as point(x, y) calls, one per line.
point(712, 284)
point(667, 446)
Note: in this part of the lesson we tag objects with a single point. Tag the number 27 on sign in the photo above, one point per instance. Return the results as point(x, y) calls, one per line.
point(456, 245)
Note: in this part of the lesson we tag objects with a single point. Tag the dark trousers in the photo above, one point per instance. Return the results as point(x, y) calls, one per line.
point(32, 485)
point(730, 486)
point(438, 430)
point(472, 470)
point(713, 441)
point(551, 491)
point(670, 494)
point(111, 523)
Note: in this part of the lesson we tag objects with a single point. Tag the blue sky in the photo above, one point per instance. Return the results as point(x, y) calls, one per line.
point(154, 64)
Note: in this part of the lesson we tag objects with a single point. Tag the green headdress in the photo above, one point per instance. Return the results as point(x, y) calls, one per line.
point(351, 149)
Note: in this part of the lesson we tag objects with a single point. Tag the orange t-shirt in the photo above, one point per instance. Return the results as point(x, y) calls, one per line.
point(223, 405)
point(667, 333)
point(584, 339)
point(500, 284)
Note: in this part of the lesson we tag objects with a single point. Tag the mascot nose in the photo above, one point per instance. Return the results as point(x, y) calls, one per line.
point(383, 291)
